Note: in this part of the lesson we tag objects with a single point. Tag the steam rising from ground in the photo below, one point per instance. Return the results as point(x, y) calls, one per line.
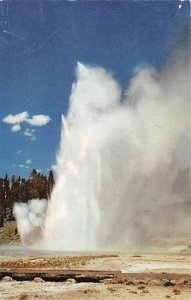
point(30, 219)
point(122, 171)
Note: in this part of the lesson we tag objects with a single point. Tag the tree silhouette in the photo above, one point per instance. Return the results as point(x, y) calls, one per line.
point(1, 202)
point(50, 182)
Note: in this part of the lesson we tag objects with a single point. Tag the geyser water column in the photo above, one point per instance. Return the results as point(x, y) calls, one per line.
point(122, 170)
point(73, 214)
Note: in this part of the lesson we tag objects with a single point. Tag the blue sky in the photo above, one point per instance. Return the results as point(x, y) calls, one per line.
point(40, 44)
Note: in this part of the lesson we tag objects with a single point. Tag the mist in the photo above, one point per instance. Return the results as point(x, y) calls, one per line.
point(122, 170)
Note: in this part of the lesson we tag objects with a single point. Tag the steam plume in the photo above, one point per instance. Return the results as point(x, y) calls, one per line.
point(122, 171)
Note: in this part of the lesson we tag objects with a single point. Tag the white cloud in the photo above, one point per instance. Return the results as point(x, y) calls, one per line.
point(26, 165)
point(35, 120)
point(29, 132)
point(39, 171)
point(38, 120)
point(15, 119)
point(16, 127)
point(19, 151)
point(28, 162)
point(23, 166)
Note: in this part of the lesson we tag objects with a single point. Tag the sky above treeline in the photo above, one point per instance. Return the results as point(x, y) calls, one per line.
point(40, 45)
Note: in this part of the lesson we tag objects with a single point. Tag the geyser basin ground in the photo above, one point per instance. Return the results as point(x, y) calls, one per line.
point(130, 276)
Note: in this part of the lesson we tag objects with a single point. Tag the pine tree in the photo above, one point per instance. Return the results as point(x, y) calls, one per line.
point(50, 182)
point(38, 185)
point(1, 201)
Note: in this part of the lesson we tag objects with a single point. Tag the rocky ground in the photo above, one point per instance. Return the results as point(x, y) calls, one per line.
point(33, 275)
point(9, 234)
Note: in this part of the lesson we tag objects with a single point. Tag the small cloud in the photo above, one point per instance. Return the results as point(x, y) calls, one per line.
point(39, 171)
point(15, 119)
point(16, 127)
point(19, 151)
point(30, 133)
point(28, 162)
point(23, 166)
point(26, 165)
point(38, 120)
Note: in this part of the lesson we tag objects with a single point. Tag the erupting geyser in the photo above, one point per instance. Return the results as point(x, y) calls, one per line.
point(122, 171)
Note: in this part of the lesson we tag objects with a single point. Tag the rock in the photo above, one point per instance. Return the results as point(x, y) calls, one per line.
point(70, 281)
point(7, 279)
point(38, 279)
point(168, 283)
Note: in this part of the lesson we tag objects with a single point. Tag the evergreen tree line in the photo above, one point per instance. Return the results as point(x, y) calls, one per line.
point(19, 189)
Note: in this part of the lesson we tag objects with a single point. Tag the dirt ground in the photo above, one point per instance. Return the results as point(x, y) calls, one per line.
point(9, 234)
point(58, 290)
point(91, 276)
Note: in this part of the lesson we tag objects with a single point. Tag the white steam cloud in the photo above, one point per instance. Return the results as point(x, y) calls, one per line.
point(30, 219)
point(122, 171)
